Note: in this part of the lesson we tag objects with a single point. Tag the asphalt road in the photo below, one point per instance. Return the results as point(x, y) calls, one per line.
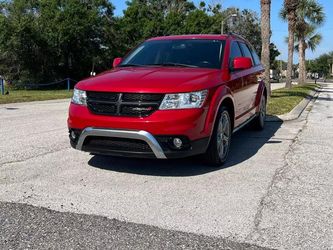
point(275, 191)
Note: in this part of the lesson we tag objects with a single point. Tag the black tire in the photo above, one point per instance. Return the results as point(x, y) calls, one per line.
point(259, 121)
point(214, 156)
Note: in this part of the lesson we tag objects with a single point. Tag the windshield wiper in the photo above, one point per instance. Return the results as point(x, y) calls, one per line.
point(131, 65)
point(173, 65)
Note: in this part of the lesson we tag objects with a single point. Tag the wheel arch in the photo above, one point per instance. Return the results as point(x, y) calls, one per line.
point(262, 91)
point(222, 96)
point(229, 104)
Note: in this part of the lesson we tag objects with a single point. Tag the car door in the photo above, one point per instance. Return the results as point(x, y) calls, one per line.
point(250, 82)
point(236, 81)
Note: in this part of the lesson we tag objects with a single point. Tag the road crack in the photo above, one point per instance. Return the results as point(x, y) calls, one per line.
point(32, 157)
point(283, 174)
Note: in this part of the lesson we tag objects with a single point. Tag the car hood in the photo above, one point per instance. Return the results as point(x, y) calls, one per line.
point(152, 80)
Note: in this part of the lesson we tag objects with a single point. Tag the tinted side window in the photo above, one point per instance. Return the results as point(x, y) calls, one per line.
point(234, 52)
point(255, 58)
point(246, 51)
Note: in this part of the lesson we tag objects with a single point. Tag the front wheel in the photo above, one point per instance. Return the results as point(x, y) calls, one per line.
point(218, 149)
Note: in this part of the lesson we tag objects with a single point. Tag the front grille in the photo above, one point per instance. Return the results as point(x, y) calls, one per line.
point(123, 104)
point(117, 144)
point(102, 108)
point(103, 96)
point(142, 97)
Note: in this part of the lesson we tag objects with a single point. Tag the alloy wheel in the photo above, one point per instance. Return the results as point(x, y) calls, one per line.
point(223, 135)
point(262, 112)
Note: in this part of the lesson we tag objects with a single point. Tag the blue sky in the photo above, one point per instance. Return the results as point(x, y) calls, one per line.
point(279, 28)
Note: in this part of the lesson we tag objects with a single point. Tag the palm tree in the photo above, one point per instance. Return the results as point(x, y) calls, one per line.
point(309, 15)
point(309, 40)
point(289, 13)
point(265, 38)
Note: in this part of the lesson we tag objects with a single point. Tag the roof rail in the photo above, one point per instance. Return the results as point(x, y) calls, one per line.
point(240, 37)
point(236, 35)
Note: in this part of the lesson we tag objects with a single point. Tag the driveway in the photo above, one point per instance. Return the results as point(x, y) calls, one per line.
point(275, 191)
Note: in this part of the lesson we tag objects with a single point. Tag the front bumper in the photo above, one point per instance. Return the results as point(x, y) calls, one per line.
point(133, 143)
point(187, 122)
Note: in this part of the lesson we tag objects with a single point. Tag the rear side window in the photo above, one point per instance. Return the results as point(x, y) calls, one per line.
point(234, 52)
point(246, 51)
point(256, 58)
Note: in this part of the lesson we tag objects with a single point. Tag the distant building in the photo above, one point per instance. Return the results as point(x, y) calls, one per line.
point(284, 73)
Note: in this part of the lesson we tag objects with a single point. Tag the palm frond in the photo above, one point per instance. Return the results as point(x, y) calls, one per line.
point(311, 37)
point(314, 41)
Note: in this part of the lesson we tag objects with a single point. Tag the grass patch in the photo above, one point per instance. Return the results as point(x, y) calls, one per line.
point(284, 100)
point(34, 95)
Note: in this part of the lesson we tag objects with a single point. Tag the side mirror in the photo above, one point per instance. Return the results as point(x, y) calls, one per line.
point(116, 61)
point(241, 63)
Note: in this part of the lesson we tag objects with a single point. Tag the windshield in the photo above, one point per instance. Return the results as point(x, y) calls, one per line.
point(177, 53)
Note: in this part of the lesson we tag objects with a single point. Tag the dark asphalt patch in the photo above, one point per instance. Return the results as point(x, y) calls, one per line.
point(27, 227)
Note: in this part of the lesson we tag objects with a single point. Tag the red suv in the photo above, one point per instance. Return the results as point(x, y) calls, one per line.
point(171, 97)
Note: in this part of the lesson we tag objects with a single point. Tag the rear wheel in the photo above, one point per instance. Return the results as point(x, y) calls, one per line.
point(218, 149)
point(259, 121)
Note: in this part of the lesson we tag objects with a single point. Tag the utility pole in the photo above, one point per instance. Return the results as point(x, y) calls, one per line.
point(224, 20)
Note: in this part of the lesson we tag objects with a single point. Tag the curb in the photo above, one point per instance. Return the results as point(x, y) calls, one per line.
point(296, 112)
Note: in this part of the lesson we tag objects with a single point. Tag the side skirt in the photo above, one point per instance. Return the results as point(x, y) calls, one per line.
point(245, 123)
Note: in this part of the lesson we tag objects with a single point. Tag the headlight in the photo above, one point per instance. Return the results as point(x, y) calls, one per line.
point(79, 97)
point(184, 100)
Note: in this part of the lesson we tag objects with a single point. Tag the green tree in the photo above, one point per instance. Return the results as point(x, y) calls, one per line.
point(309, 15)
point(198, 22)
point(247, 24)
point(46, 40)
point(19, 48)
point(52, 39)
point(148, 18)
point(310, 40)
point(321, 65)
point(274, 53)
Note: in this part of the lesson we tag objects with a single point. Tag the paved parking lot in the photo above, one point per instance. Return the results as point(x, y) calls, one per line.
point(275, 191)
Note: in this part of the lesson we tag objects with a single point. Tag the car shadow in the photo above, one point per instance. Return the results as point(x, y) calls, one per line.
point(324, 98)
point(245, 144)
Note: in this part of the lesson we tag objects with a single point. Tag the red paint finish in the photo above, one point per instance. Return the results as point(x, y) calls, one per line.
point(242, 63)
point(116, 61)
point(239, 86)
point(188, 122)
point(153, 80)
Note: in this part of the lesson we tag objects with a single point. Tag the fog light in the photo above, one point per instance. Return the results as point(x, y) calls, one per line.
point(178, 143)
